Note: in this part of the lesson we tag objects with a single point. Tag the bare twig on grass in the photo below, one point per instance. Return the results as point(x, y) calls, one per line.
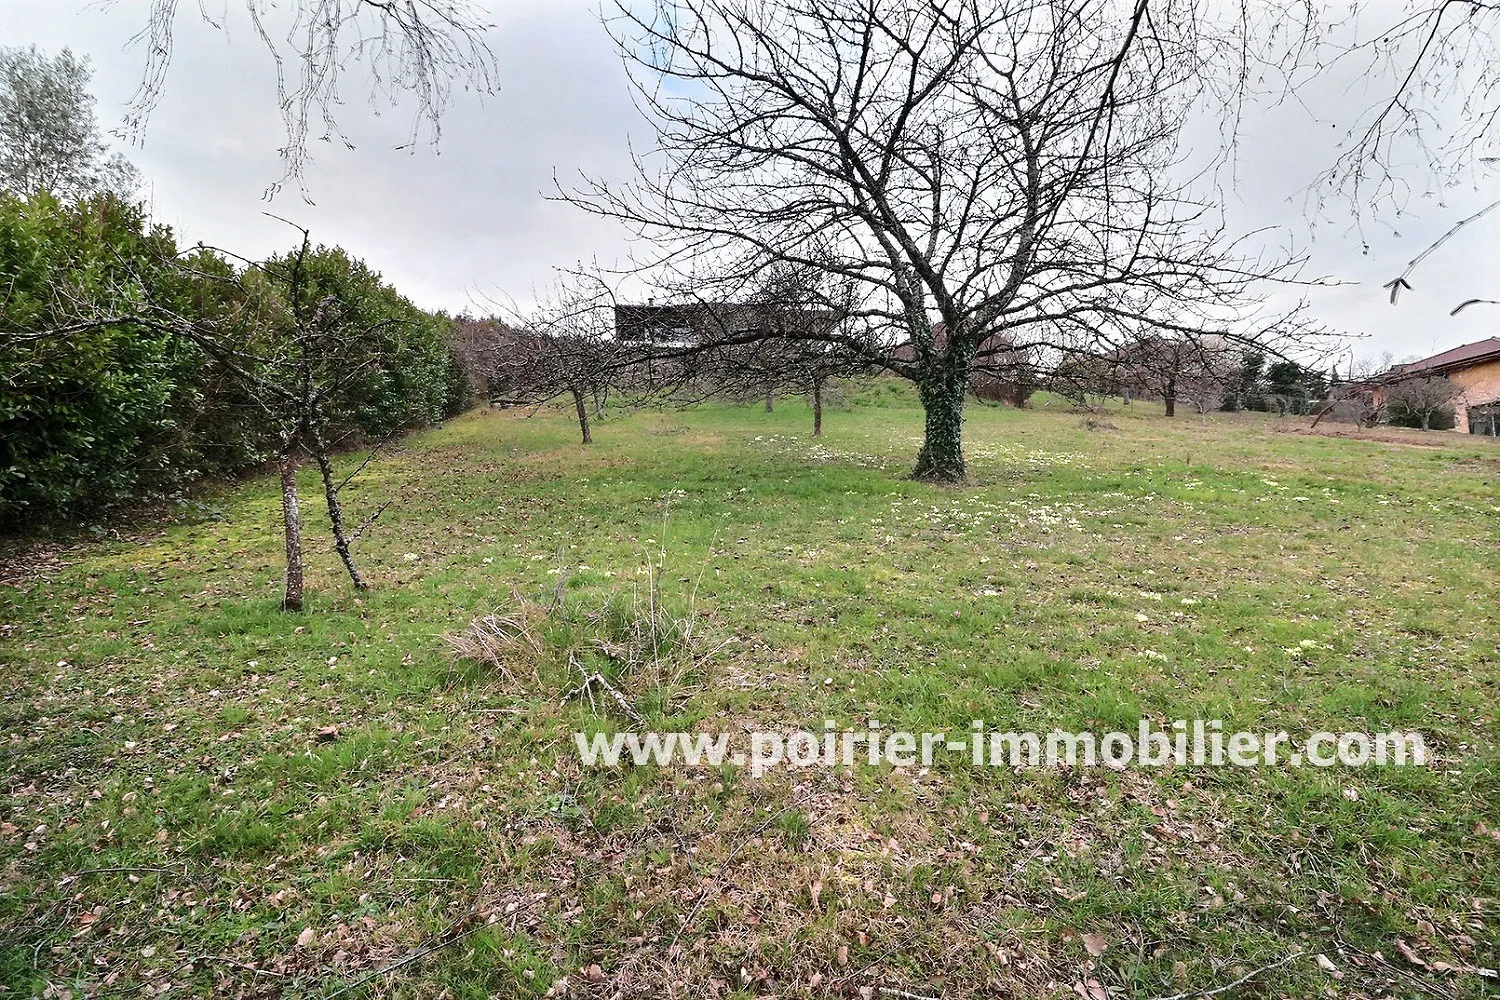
point(119, 871)
point(891, 991)
point(719, 872)
point(456, 932)
point(1238, 982)
point(186, 963)
point(590, 680)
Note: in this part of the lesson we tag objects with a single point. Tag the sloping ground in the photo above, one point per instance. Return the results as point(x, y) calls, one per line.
point(205, 796)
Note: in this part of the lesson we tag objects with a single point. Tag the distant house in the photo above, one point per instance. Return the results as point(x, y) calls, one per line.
point(693, 323)
point(662, 326)
point(1001, 372)
point(1475, 369)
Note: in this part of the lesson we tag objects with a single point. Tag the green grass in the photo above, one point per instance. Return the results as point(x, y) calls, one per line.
point(171, 817)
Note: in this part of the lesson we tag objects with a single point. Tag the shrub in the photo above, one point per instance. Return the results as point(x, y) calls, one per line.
point(95, 414)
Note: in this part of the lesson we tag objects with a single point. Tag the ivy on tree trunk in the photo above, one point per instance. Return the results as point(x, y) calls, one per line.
point(942, 387)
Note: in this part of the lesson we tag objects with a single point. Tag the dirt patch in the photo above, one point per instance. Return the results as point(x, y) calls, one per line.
point(1381, 435)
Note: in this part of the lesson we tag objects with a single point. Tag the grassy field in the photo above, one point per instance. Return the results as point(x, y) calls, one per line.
point(205, 796)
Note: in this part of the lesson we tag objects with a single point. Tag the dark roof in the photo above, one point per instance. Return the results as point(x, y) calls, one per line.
point(1464, 356)
point(705, 320)
point(993, 344)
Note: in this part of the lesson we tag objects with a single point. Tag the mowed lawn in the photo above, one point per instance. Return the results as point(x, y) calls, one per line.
point(205, 796)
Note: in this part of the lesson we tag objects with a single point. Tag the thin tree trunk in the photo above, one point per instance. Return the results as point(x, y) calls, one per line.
point(769, 407)
point(341, 541)
point(1170, 396)
point(291, 516)
point(1426, 421)
point(583, 417)
point(942, 392)
point(817, 399)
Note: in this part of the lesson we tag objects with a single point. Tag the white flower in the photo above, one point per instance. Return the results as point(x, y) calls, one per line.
point(410, 557)
point(1188, 602)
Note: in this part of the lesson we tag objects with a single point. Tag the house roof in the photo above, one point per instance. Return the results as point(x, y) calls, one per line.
point(1463, 356)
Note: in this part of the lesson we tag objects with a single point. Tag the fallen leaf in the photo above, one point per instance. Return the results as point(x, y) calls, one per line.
point(305, 938)
point(1409, 953)
point(1094, 943)
point(1327, 966)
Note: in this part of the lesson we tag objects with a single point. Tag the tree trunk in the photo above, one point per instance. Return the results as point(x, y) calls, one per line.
point(291, 516)
point(583, 417)
point(769, 407)
point(341, 541)
point(1170, 396)
point(1426, 420)
point(942, 391)
point(817, 401)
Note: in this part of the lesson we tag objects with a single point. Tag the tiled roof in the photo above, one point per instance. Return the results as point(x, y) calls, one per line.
point(1463, 356)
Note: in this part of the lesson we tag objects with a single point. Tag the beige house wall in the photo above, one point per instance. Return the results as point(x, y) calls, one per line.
point(1480, 384)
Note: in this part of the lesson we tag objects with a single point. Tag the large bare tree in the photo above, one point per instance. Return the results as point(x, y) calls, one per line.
point(990, 177)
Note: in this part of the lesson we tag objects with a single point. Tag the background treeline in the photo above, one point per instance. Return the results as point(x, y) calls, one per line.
point(100, 405)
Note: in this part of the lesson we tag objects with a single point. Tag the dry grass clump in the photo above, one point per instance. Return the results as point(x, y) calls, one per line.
point(633, 646)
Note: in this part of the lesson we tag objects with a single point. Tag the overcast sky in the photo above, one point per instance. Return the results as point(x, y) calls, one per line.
point(468, 223)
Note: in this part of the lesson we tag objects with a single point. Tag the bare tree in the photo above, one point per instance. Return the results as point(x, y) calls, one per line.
point(416, 48)
point(1196, 370)
point(1357, 397)
point(1087, 381)
point(565, 346)
point(1422, 397)
point(997, 168)
point(295, 357)
point(1431, 108)
point(799, 310)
